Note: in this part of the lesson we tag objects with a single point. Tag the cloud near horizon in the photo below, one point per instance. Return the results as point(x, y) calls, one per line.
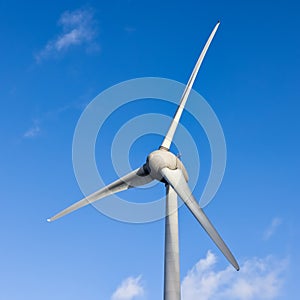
point(129, 289)
point(78, 28)
point(258, 279)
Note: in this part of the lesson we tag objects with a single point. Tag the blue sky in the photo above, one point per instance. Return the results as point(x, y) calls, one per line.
point(250, 77)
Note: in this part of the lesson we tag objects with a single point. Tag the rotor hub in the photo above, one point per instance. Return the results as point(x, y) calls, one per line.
point(160, 159)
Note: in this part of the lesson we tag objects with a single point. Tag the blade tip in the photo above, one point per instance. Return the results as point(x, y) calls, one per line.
point(49, 220)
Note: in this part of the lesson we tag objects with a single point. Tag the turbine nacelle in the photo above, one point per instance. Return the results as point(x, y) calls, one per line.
point(159, 159)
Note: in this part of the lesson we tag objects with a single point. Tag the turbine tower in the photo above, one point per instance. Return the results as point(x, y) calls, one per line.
point(164, 166)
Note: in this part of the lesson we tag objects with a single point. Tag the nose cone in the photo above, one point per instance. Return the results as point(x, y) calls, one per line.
point(160, 159)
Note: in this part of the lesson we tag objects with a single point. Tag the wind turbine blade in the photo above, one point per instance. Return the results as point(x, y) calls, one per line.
point(135, 178)
point(169, 136)
point(176, 179)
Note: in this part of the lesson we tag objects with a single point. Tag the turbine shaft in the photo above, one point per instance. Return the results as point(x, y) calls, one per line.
point(171, 266)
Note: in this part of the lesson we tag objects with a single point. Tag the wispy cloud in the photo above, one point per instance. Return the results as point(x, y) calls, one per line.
point(129, 289)
point(276, 222)
point(39, 123)
point(257, 279)
point(33, 131)
point(78, 27)
point(129, 29)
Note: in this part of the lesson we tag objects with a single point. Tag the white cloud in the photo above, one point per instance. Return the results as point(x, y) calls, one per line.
point(33, 131)
point(129, 289)
point(78, 28)
point(257, 279)
point(272, 228)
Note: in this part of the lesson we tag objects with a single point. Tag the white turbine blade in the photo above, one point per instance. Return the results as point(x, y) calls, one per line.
point(135, 178)
point(169, 136)
point(176, 179)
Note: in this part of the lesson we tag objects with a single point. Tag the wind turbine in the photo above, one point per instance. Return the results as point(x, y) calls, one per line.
point(164, 166)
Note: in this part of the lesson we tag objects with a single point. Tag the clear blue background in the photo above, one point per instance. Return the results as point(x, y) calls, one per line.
point(250, 78)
